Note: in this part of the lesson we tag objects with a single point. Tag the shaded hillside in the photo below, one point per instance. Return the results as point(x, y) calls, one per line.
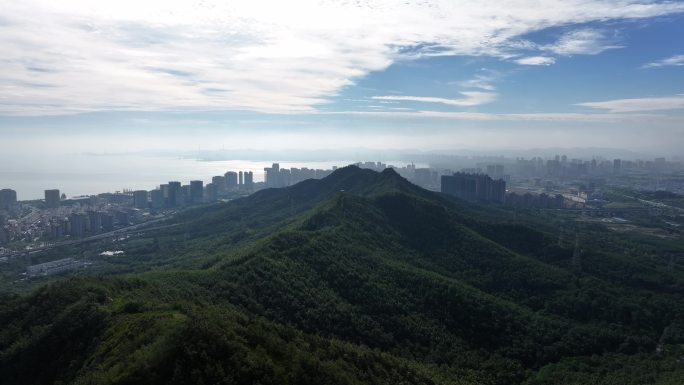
point(357, 278)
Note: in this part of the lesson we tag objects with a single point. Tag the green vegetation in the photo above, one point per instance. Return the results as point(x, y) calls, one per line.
point(359, 278)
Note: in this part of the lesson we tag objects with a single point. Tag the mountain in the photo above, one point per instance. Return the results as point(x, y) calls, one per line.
point(358, 278)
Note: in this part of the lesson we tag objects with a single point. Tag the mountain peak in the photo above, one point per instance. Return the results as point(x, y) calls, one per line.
point(361, 181)
point(389, 171)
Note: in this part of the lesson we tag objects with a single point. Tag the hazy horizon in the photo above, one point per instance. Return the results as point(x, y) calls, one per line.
point(78, 174)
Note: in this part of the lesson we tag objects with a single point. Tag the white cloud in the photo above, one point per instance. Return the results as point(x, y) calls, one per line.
point(76, 56)
point(677, 60)
point(637, 105)
point(483, 81)
point(536, 60)
point(521, 117)
point(586, 41)
point(472, 98)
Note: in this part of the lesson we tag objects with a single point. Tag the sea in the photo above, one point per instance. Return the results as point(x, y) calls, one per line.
point(85, 174)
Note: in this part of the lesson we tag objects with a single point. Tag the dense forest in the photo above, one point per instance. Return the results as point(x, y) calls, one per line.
point(358, 278)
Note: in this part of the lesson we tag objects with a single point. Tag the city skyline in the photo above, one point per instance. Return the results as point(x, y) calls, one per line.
point(273, 177)
point(431, 75)
point(556, 183)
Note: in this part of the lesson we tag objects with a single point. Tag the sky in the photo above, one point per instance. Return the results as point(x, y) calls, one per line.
point(113, 76)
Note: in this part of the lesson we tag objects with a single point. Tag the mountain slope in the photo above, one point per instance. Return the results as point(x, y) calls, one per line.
point(358, 278)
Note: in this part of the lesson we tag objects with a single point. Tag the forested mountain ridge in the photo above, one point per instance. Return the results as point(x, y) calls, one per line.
point(357, 278)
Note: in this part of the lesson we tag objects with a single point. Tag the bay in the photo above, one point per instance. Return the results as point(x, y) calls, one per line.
point(83, 174)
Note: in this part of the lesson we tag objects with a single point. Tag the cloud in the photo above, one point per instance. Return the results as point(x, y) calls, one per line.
point(483, 81)
point(536, 60)
point(521, 117)
point(586, 41)
point(472, 98)
point(677, 60)
point(269, 56)
point(637, 105)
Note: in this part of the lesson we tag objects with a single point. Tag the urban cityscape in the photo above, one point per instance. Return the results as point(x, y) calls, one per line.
point(555, 183)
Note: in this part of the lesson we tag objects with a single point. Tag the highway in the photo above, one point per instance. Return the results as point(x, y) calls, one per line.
point(140, 227)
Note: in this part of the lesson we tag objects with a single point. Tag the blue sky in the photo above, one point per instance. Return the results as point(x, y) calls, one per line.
point(428, 75)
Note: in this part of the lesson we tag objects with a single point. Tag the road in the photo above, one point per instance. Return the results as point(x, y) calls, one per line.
point(653, 204)
point(140, 227)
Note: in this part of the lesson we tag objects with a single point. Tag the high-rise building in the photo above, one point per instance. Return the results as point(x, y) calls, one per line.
point(57, 228)
point(231, 180)
point(461, 185)
point(95, 218)
point(498, 171)
point(165, 191)
point(495, 171)
point(8, 197)
point(249, 180)
point(285, 178)
point(272, 176)
point(219, 184)
point(196, 191)
point(498, 191)
point(140, 199)
point(421, 177)
point(52, 199)
point(107, 222)
point(77, 224)
point(123, 218)
point(240, 180)
point(210, 193)
point(617, 166)
point(186, 194)
point(474, 187)
point(156, 199)
point(175, 196)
